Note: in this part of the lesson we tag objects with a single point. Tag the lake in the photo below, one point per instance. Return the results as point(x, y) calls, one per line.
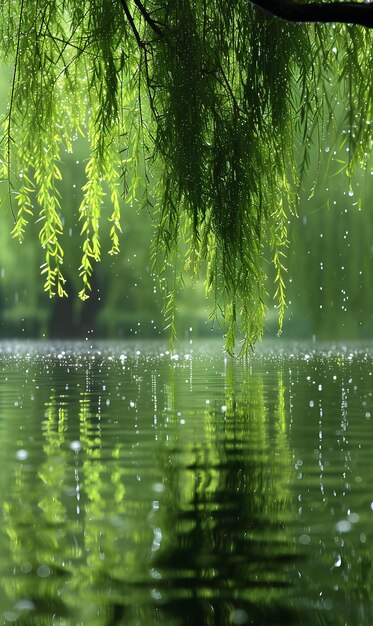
point(143, 488)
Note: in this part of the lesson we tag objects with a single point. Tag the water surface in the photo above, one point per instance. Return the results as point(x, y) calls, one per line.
point(140, 487)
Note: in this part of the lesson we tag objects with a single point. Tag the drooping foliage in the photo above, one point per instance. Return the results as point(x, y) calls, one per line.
point(205, 110)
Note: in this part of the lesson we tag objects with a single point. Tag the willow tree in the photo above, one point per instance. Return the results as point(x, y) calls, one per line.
point(204, 110)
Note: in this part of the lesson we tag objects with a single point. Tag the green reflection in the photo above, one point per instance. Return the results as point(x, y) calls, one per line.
point(142, 490)
point(230, 545)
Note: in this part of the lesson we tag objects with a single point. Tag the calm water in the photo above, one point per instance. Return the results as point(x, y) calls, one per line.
point(140, 489)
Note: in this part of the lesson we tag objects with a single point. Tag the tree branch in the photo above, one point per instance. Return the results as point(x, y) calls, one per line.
point(343, 12)
point(147, 17)
point(127, 12)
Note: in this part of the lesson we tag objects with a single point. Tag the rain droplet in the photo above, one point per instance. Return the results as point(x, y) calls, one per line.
point(43, 571)
point(238, 616)
point(75, 446)
point(24, 605)
point(304, 540)
point(21, 455)
point(343, 526)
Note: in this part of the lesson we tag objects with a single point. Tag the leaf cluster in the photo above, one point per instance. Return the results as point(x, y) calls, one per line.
point(203, 110)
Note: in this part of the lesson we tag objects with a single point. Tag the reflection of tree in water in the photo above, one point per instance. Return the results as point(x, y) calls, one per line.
point(209, 546)
point(76, 531)
point(229, 547)
point(35, 523)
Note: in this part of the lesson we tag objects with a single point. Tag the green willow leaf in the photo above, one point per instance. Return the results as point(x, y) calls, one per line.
point(202, 112)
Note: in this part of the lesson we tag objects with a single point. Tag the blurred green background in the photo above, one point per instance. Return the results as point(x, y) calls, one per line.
point(331, 257)
point(330, 267)
point(126, 298)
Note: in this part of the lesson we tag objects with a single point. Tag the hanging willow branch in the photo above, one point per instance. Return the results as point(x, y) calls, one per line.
point(204, 109)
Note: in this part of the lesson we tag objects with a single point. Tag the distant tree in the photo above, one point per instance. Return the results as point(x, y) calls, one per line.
point(205, 109)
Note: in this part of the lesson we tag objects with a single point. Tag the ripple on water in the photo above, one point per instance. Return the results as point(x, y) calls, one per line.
point(140, 486)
